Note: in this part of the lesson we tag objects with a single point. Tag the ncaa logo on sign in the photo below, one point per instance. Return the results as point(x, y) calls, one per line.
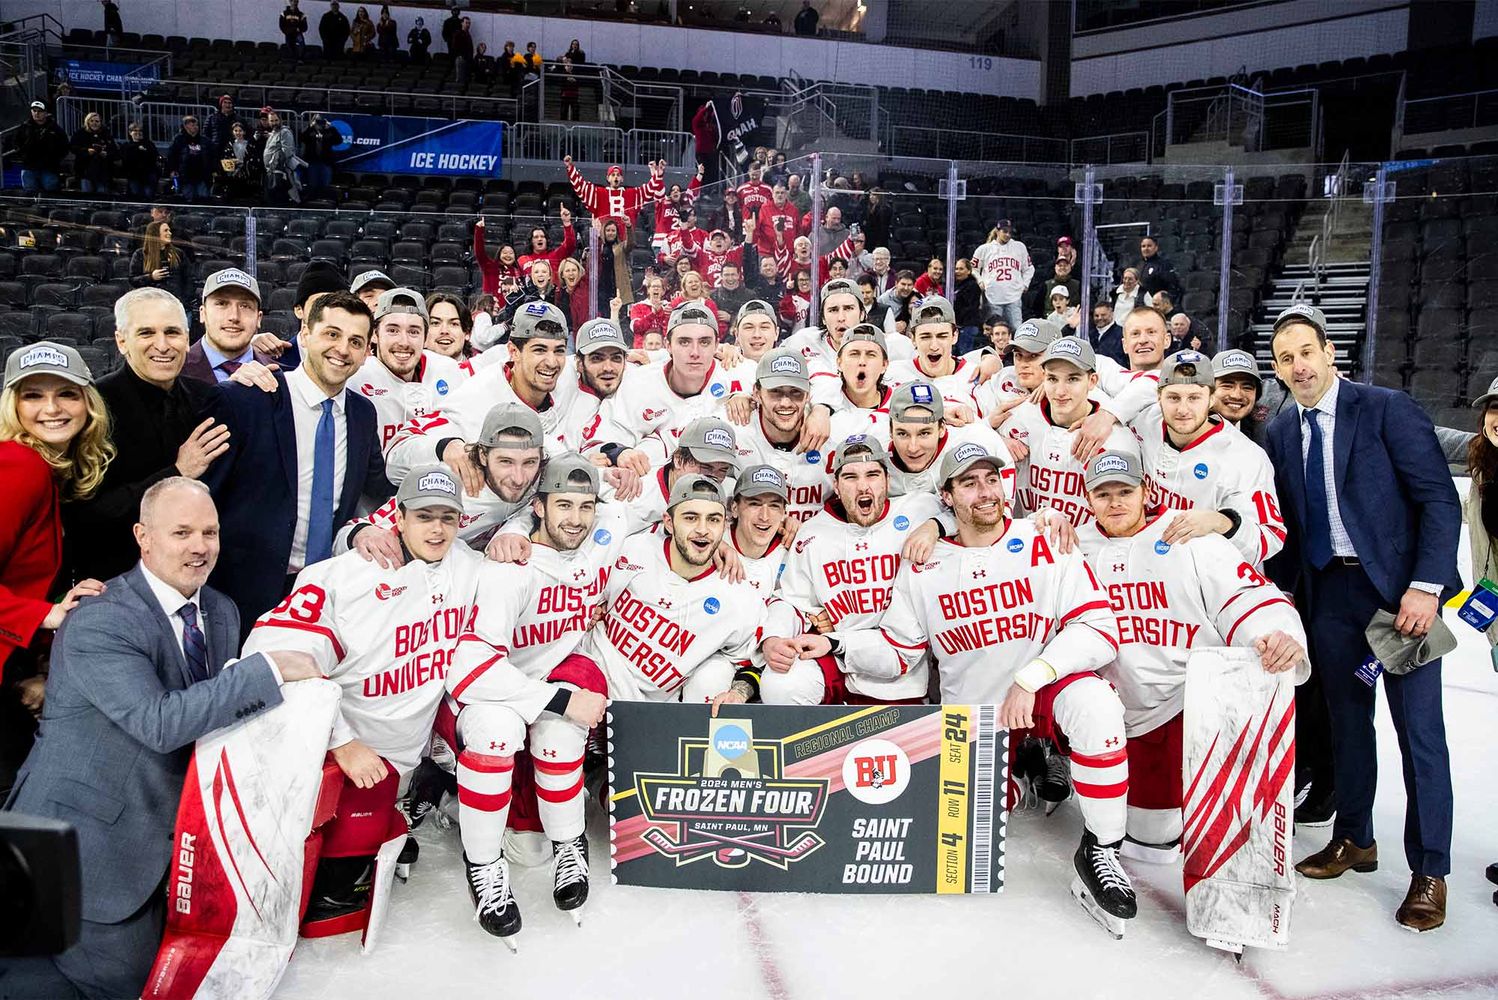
point(731, 741)
point(711, 605)
point(602, 536)
point(876, 771)
point(1200, 472)
point(717, 390)
point(442, 387)
point(902, 522)
point(813, 457)
point(1014, 545)
point(1161, 548)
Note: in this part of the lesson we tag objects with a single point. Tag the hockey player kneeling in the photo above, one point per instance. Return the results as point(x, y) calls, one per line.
point(1224, 717)
point(1010, 621)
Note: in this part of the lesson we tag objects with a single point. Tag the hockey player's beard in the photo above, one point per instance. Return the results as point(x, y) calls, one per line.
point(565, 536)
point(695, 556)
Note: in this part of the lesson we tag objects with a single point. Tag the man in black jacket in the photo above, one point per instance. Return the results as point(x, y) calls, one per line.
point(318, 141)
point(191, 160)
point(161, 424)
point(1155, 272)
point(41, 145)
point(294, 28)
point(333, 29)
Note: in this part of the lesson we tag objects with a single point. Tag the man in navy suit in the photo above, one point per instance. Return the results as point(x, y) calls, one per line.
point(301, 458)
point(137, 676)
point(1374, 520)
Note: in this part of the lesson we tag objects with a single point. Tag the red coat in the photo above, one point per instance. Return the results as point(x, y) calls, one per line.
point(773, 217)
point(30, 545)
point(753, 197)
point(554, 257)
point(491, 267)
point(644, 318)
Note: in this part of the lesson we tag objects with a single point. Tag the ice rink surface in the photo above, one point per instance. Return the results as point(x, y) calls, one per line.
point(1032, 941)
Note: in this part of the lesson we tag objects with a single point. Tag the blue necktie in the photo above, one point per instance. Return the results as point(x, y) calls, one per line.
point(320, 515)
point(1318, 522)
point(194, 649)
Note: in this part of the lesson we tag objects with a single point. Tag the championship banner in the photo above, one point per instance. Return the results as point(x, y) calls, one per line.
point(83, 74)
point(849, 799)
point(390, 144)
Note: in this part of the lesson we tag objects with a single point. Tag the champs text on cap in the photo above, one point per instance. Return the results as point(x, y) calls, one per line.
point(437, 482)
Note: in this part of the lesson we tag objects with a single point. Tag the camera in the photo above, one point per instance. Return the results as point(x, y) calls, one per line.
point(40, 898)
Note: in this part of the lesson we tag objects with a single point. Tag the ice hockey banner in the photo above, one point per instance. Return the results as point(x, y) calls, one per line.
point(389, 144)
point(881, 799)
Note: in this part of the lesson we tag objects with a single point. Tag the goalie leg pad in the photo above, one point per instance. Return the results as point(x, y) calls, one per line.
point(1086, 711)
point(345, 874)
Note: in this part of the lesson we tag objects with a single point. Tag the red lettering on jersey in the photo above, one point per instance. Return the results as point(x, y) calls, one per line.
point(861, 601)
point(1153, 631)
point(987, 600)
point(1253, 576)
point(1148, 596)
point(866, 569)
point(1040, 550)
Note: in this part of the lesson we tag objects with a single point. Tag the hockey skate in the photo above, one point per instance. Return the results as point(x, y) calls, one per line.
point(1102, 886)
point(1027, 763)
point(340, 896)
point(1053, 783)
point(570, 877)
point(429, 783)
point(1150, 854)
point(494, 900)
point(407, 859)
point(1493, 878)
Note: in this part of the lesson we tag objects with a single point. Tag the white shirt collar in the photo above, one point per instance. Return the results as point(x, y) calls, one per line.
point(1328, 402)
point(308, 394)
point(169, 597)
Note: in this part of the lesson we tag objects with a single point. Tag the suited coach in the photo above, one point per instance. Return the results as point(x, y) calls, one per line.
point(1374, 522)
point(138, 674)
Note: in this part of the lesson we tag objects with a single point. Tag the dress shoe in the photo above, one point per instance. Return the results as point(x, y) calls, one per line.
point(1424, 906)
point(1337, 857)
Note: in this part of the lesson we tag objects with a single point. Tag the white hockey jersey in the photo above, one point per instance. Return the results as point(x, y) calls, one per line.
point(1049, 476)
point(956, 389)
point(1172, 599)
point(386, 637)
point(985, 613)
point(763, 573)
point(481, 517)
point(647, 407)
point(848, 571)
point(1004, 270)
point(904, 482)
point(1220, 468)
point(396, 402)
point(805, 471)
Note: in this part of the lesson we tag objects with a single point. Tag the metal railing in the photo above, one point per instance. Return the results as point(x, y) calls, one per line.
point(1449, 113)
point(954, 144)
point(1115, 147)
point(345, 99)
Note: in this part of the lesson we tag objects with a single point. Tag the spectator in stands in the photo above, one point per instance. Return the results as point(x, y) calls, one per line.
point(570, 92)
point(93, 155)
point(419, 41)
point(836, 268)
point(572, 281)
point(1004, 269)
point(1155, 272)
point(161, 264)
point(41, 145)
point(541, 247)
point(1062, 314)
point(1128, 294)
point(795, 304)
point(898, 300)
point(754, 194)
point(1066, 251)
point(114, 28)
point(387, 34)
point(999, 333)
point(241, 171)
point(450, 26)
point(833, 232)
point(968, 305)
point(484, 311)
point(282, 181)
point(190, 161)
point(1187, 334)
point(693, 291)
point(161, 425)
point(449, 325)
point(930, 280)
point(878, 217)
point(880, 271)
point(218, 128)
point(54, 446)
point(460, 48)
point(778, 225)
point(806, 20)
point(575, 53)
point(650, 315)
point(333, 29)
point(729, 218)
point(483, 64)
point(874, 308)
point(230, 314)
point(492, 268)
point(361, 32)
point(766, 280)
point(731, 292)
point(679, 269)
point(293, 24)
point(318, 142)
point(140, 163)
point(509, 68)
point(796, 193)
point(530, 62)
point(1105, 335)
point(538, 286)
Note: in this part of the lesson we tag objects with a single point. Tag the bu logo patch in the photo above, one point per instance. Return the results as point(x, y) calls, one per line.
point(876, 771)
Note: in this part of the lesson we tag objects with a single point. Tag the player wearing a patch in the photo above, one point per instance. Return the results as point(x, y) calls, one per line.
point(933, 325)
point(1027, 348)
point(838, 574)
point(1050, 477)
point(919, 438)
point(402, 379)
point(386, 637)
point(858, 387)
point(756, 516)
point(782, 399)
point(600, 366)
point(1171, 598)
point(1011, 621)
point(532, 377)
point(708, 447)
point(1197, 463)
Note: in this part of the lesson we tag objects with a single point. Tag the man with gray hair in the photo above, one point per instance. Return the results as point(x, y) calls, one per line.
point(162, 425)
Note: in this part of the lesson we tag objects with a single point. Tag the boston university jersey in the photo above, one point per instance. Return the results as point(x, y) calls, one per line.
point(1218, 469)
point(985, 613)
point(902, 481)
point(805, 471)
point(956, 389)
point(398, 402)
point(848, 570)
point(822, 357)
point(386, 637)
point(763, 574)
point(646, 406)
point(1172, 599)
point(1049, 476)
point(658, 627)
point(481, 517)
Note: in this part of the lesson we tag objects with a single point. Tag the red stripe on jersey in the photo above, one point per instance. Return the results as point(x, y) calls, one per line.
point(1228, 639)
point(557, 767)
point(481, 801)
point(1100, 760)
point(901, 645)
point(1082, 610)
point(322, 630)
point(1087, 790)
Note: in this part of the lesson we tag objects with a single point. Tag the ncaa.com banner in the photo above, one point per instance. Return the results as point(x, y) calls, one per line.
point(391, 144)
point(880, 799)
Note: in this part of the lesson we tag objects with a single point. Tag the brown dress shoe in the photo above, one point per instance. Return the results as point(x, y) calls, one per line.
point(1424, 906)
point(1337, 857)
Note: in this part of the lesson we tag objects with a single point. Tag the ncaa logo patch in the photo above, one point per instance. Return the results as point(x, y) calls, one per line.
point(902, 522)
point(813, 457)
point(731, 741)
point(442, 387)
point(1161, 548)
point(711, 605)
point(1014, 545)
point(1200, 472)
point(876, 771)
point(717, 389)
point(602, 536)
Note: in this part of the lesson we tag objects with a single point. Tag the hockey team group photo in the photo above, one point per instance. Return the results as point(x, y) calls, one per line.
point(783, 497)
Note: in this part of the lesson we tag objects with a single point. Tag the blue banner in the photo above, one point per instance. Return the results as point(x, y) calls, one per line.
point(85, 75)
point(394, 145)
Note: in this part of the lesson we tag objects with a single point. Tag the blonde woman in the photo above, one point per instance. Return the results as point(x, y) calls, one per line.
point(573, 279)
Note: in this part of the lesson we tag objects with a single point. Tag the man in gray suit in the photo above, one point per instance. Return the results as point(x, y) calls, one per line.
point(138, 674)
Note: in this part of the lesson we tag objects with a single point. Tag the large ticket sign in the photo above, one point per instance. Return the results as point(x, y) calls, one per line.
point(880, 799)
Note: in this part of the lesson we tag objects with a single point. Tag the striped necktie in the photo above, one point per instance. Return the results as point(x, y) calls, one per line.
point(194, 648)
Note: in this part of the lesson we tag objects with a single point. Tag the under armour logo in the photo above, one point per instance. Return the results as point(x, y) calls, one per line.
point(1111, 741)
point(549, 753)
point(1118, 567)
point(436, 598)
point(578, 574)
point(664, 603)
point(980, 572)
point(861, 546)
point(496, 746)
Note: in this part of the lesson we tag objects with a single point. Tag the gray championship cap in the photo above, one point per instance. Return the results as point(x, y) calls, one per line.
point(597, 334)
point(231, 277)
point(782, 367)
point(1480, 403)
point(859, 448)
point(842, 285)
point(46, 358)
point(503, 417)
point(1113, 467)
point(915, 395)
point(708, 439)
point(569, 472)
point(430, 486)
point(865, 333)
point(759, 480)
point(538, 321)
point(963, 457)
point(1187, 368)
point(754, 307)
point(1035, 335)
point(1074, 351)
point(932, 309)
point(400, 300)
point(365, 279)
point(691, 313)
point(1236, 362)
point(695, 487)
point(1302, 312)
